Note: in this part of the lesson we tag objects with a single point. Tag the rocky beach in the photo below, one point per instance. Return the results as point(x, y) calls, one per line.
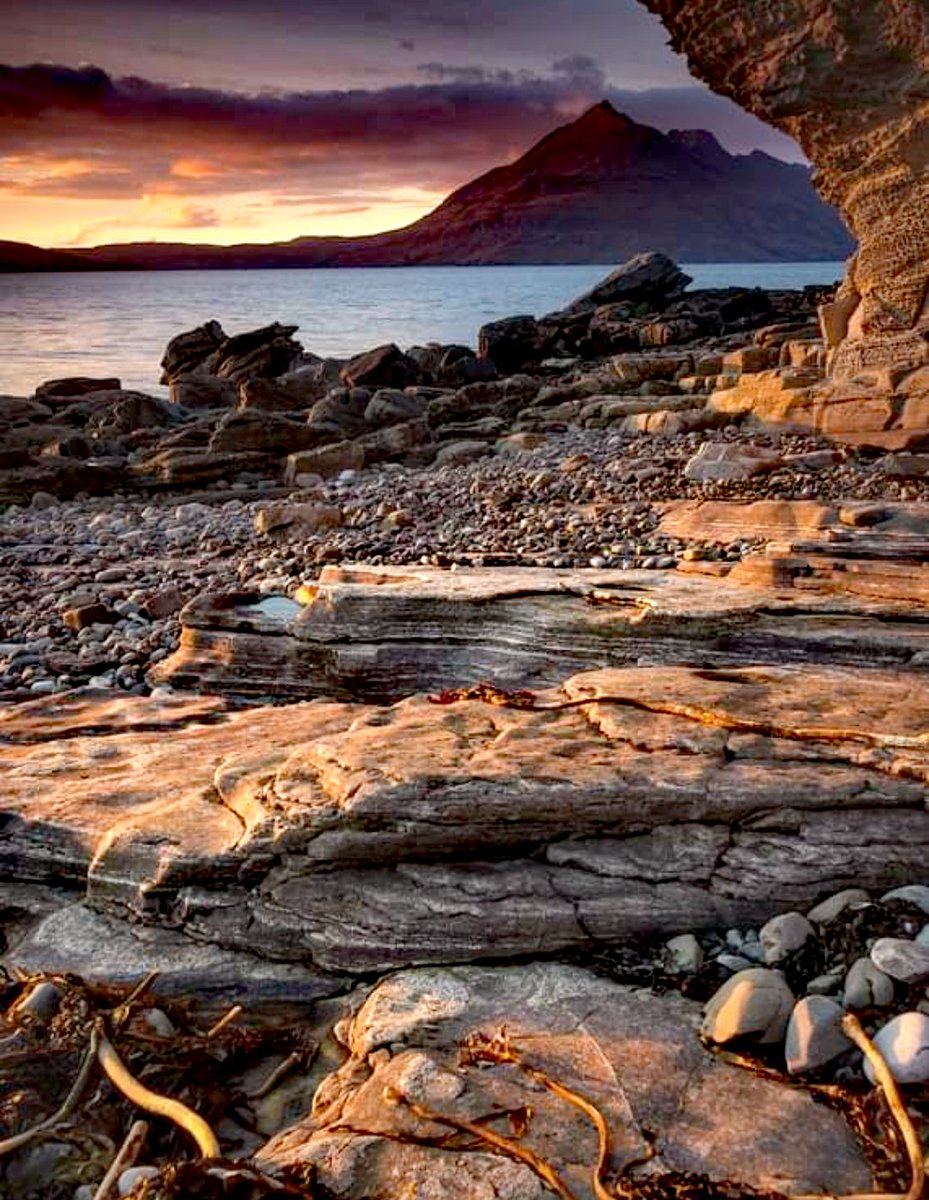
point(440, 708)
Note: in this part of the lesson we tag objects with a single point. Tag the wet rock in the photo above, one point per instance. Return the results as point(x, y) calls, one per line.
point(755, 1004)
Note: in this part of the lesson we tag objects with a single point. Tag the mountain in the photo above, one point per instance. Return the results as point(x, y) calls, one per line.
point(20, 256)
point(599, 189)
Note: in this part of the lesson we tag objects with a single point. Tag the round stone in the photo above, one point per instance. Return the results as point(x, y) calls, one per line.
point(867, 986)
point(754, 1004)
point(904, 1043)
point(684, 955)
point(784, 934)
point(814, 1034)
point(901, 959)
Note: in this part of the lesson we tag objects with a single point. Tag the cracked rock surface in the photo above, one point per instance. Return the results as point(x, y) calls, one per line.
point(634, 1055)
point(361, 837)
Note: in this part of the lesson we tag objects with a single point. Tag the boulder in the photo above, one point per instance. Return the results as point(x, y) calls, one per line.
point(384, 367)
point(254, 431)
point(724, 461)
point(73, 387)
point(669, 1103)
point(307, 518)
point(341, 412)
point(649, 278)
point(510, 344)
point(191, 351)
point(259, 353)
point(297, 389)
point(325, 461)
point(197, 391)
point(388, 406)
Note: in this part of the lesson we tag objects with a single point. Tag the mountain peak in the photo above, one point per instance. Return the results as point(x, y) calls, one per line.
point(602, 114)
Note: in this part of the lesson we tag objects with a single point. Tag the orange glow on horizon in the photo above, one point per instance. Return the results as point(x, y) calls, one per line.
point(220, 219)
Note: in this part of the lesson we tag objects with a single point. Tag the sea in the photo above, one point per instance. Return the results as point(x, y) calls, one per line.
point(118, 323)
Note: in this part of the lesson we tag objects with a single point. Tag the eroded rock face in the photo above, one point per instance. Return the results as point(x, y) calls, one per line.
point(849, 82)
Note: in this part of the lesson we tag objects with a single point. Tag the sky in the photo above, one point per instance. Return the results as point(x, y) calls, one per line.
point(263, 120)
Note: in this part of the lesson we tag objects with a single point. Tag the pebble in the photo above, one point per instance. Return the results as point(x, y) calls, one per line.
point(867, 986)
point(684, 955)
point(901, 959)
point(133, 1176)
point(904, 1043)
point(783, 934)
point(814, 1035)
point(756, 1004)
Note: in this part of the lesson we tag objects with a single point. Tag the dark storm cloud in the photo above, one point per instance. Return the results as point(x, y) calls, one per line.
point(130, 136)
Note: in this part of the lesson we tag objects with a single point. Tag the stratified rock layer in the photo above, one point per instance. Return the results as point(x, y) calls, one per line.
point(850, 82)
point(360, 838)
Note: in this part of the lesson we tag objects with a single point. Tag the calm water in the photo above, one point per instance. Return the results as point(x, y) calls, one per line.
point(118, 323)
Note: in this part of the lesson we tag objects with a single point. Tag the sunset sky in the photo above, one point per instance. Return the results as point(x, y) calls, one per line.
point(263, 120)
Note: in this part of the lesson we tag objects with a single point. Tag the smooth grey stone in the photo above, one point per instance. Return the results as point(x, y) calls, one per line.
point(684, 955)
point(814, 1035)
point(755, 1004)
point(867, 986)
point(901, 959)
point(904, 1043)
point(833, 906)
point(783, 934)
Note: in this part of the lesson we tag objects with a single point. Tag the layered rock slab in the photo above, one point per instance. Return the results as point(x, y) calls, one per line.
point(381, 633)
point(359, 838)
point(634, 1055)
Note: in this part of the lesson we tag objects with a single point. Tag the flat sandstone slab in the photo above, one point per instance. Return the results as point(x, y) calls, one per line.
point(636, 1056)
point(381, 633)
point(358, 838)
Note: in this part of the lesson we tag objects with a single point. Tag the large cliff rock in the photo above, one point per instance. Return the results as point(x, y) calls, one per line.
point(850, 82)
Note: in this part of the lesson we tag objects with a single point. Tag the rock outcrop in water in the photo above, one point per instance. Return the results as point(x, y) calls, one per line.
point(850, 82)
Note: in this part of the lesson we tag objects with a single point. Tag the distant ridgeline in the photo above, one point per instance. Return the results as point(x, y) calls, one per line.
point(597, 190)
